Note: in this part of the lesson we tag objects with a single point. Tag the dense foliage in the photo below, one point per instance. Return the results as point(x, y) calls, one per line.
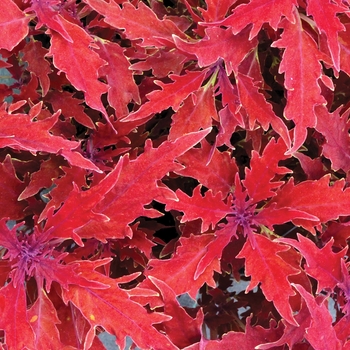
point(155, 153)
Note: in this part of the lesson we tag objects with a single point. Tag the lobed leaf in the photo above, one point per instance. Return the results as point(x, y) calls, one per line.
point(139, 23)
point(259, 12)
point(328, 273)
point(300, 58)
point(265, 266)
point(137, 186)
point(80, 63)
point(172, 95)
point(209, 208)
point(309, 197)
point(209, 49)
point(103, 308)
point(19, 131)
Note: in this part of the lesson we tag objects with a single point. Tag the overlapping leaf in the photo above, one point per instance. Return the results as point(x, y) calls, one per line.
point(196, 112)
point(69, 106)
point(344, 44)
point(139, 23)
point(179, 271)
point(325, 16)
point(250, 339)
point(265, 168)
point(80, 63)
point(209, 49)
point(215, 170)
point(321, 324)
point(43, 319)
point(216, 9)
point(258, 109)
point(33, 256)
point(122, 88)
point(47, 14)
point(317, 198)
point(328, 273)
point(172, 95)
point(269, 79)
point(261, 264)
point(71, 217)
point(137, 186)
point(181, 336)
point(19, 131)
point(34, 54)
point(104, 308)
point(259, 12)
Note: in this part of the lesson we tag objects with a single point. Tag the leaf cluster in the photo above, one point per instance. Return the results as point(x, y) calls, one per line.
point(176, 172)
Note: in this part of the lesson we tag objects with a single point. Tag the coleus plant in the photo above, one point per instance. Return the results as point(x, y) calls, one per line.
point(155, 150)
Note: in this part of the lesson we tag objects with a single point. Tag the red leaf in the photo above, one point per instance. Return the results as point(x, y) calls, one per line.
point(11, 187)
point(270, 215)
point(259, 12)
point(197, 112)
point(13, 25)
point(179, 271)
point(209, 49)
point(43, 318)
point(19, 131)
point(258, 109)
point(253, 336)
point(103, 308)
point(13, 320)
point(162, 63)
point(215, 170)
point(327, 272)
point(265, 168)
point(122, 88)
point(71, 217)
point(209, 208)
point(342, 330)
point(33, 256)
point(42, 178)
point(34, 54)
point(62, 187)
point(181, 336)
point(216, 247)
point(313, 168)
point(79, 62)
point(344, 43)
point(48, 15)
point(291, 334)
point(138, 186)
point(265, 266)
point(325, 15)
point(70, 107)
point(139, 23)
point(321, 324)
point(337, 145)
point(309, 197)
point(301, 58)
point(172, 95)
point(230, 99)
point(216, 9)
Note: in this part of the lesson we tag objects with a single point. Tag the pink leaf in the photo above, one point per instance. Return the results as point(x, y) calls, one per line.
point(13, 25)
